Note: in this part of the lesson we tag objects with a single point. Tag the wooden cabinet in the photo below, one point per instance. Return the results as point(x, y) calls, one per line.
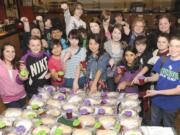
point(150, 18)
point(11, 8)
point(125, 4)
point(12, 38)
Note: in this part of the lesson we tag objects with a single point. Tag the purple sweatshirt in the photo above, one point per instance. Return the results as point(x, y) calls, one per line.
point(128, 76)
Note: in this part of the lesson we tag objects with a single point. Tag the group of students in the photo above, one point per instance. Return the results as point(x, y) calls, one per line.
point(100, 56)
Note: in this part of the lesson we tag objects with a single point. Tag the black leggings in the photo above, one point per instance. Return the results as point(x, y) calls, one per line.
point(16, 104)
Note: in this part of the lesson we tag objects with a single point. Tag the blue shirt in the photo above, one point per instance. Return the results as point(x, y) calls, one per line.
point(168, 79)
point(95, 64)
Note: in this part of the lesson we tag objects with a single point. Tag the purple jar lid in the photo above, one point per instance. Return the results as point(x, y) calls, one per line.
point(83, 111)
point(87, 102)
point(50, 89)
point(39, 96)
point(128, 113)
point(104, 101)
point(104, 94)
point(20, 129)
point(61, 98)
point(69, 111)
point(36, 96)
point(101, 111)
point(62, 90)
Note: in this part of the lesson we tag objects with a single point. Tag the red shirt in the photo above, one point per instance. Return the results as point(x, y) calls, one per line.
point(57, 65)
point(163, 54)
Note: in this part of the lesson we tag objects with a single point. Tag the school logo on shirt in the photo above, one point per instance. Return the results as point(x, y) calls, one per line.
point(169, 74)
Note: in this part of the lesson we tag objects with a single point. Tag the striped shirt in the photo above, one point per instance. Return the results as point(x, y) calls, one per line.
point(73, 62)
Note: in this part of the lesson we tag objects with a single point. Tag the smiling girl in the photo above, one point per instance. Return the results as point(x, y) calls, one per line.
point(11, 89)
point(36, 62)
point(97, 60)
point(72, 56)
point(114, 48)
point(132, 68)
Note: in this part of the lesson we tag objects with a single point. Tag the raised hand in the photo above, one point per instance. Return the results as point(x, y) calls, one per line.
point(64, 6)
point(39, 18)
point(24, 19)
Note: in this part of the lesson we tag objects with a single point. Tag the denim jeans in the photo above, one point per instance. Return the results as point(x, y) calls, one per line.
point(68, 82)
point(158, 114)
point(16, 104)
